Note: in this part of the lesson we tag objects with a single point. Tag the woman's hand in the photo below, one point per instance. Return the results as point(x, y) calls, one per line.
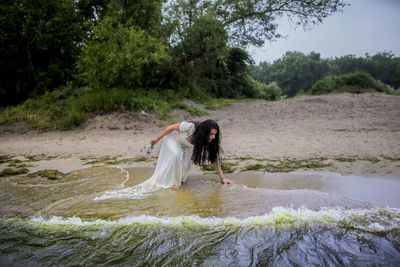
point(227, 181)
point(153, 141)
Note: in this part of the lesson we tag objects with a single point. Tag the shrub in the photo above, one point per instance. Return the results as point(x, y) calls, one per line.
point(356, 82)
point(387, 88)
point(270, 91)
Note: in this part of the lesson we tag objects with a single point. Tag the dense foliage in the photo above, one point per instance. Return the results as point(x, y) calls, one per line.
point(193, 45)
point(296, 72)
point(39, 45)
point(122, 55)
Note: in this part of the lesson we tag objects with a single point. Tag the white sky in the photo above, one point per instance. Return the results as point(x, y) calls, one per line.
point(366, 26)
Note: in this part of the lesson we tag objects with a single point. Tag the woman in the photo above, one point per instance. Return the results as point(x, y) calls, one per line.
point(182, 143)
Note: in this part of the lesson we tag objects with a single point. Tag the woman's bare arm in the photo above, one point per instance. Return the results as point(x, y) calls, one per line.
point(168, 130)
point(217, 167)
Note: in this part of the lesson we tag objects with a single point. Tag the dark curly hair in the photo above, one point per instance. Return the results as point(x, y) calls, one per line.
point(205, 151)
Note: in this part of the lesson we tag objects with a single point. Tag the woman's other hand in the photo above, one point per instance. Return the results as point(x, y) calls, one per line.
point(227, 181)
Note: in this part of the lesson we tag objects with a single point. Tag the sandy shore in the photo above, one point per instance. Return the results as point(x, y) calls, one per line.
point(337, 125)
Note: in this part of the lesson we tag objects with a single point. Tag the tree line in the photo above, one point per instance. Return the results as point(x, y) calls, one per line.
point(296, 72)
point(99, 45)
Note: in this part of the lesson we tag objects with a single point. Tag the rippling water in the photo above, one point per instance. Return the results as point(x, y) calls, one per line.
point(300, 218)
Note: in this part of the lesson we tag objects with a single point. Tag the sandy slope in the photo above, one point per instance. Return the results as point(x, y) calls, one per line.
point(336, 125)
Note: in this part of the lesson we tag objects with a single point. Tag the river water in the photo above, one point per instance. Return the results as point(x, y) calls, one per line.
point(278, 219)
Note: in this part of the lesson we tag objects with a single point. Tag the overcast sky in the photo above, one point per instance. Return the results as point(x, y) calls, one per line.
point(366, 26)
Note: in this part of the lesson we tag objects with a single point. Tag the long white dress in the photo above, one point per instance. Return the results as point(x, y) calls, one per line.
point(172, 167)
point(174, 160)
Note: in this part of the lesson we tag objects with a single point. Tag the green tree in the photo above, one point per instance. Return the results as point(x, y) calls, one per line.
point(346, 64)
point(383, 66)
point(243, 22)
point(295, 72)
point(228, 75)
point(39, 44)
point(248, 22)
point(202, 47)
point(144, 14)
point(124, 56)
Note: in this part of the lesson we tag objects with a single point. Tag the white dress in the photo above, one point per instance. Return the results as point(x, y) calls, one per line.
point(174, 160)
point(172, 167)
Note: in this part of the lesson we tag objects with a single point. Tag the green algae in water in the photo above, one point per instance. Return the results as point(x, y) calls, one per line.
point(115, 161)
point(49, 174)
point(13, 172)
point(254, 167)
point(346, 159)
point(227, 167)
point(302, 236)
point(4, 159)
point(287, 166)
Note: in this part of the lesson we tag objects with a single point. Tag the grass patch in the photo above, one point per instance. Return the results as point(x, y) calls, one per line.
point(193, 110)
point(49, 174)
point(67, 108)
point(215, 103)
point(13, 172)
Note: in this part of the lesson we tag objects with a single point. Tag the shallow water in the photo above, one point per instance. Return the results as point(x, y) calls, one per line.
point(297, 218)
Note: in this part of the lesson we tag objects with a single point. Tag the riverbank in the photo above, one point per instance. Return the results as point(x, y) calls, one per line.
point(336, 126)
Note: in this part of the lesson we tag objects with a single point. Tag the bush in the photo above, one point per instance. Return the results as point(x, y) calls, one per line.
point(270, 91)
point(356, 82)
point(387, 88)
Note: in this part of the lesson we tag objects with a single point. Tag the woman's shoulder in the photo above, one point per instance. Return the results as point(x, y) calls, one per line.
point(187, 126)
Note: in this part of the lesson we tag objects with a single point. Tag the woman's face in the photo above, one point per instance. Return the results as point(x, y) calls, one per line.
point(212, 135)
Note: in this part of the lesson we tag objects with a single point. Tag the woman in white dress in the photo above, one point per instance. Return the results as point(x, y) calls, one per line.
point(182, 143)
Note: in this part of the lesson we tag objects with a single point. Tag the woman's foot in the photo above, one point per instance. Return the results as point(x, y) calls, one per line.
point(175, 186)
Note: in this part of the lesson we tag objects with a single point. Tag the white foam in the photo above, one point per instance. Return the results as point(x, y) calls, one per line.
point(127, 176)
point(376, 227)
point(279, 216)
point(134, 192)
